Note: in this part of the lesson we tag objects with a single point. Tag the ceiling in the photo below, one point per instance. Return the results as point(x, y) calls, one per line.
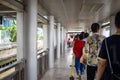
point(80, 14)
point(73, 14)
point(6, 11)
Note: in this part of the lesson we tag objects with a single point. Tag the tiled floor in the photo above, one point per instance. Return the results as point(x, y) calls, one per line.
point(62, 68)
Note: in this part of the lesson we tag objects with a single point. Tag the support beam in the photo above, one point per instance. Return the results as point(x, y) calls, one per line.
point(51, 42)
point(65, 37)
point(20, 36)
point(3, 12)
point(12, 4)
point(58, 40)
point(45, 39)
point(62, 33)
point(30, 39)
point(42, 19)
point(55, 37)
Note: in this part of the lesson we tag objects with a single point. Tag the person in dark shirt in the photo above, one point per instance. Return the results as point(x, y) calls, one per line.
point(113, 47)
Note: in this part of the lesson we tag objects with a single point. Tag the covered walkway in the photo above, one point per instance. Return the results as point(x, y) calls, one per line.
point(57, 18)
point(62, 68)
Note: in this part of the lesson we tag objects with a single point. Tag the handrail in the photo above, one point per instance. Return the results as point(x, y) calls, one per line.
point(19, 65)
point(41, 53)
point(17, 62)
point(10, 66)
point(7, 77)
point(40, 49)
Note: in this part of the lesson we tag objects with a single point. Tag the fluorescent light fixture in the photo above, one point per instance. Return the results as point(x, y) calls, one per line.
point(106, 23)
point(74, 31)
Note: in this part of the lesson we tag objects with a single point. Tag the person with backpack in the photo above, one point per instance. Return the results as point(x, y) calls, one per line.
point(109, 57)
point(92, 47)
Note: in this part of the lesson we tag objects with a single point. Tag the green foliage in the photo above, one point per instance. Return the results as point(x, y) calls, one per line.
point(13, 33)
point(2, 27)
point(12, 30)
point(2, 33)
point(39, 37)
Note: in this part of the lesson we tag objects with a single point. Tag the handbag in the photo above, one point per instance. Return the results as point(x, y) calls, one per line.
point(83, 58)
point(113, 76)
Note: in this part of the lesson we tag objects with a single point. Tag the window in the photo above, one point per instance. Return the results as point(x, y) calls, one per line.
point(39, 38)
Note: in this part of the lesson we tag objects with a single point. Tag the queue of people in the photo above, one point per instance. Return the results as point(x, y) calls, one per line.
point(103, 62)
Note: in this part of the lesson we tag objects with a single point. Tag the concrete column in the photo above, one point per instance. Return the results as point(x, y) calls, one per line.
point(112, 25)
point(58, 40)
point(64, 39)
point(20, 54)
point(55, 36)
point(45, 39)
point(62, 33)
point(65, 33)
point(51, 42)
point(30, 39)
point(48, 30)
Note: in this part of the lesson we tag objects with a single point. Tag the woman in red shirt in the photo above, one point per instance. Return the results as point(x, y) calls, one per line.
point(77, 49)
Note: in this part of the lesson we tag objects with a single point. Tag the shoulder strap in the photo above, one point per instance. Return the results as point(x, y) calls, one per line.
point(111, 69)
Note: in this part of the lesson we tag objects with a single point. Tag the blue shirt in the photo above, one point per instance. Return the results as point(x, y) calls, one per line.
point(113, 44)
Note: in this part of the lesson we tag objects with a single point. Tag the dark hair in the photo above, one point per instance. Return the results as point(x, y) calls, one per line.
point(81, 36)
point(86, 35)
point(95, 27)
point(71, 36)
point(117, 20)
point(76, 36)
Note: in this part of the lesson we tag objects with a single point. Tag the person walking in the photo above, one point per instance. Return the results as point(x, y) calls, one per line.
point(109, 57)
point(77, 49)
point(83, 65)
point(92, 46)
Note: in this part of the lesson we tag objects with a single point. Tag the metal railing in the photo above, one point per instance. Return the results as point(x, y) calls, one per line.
point(42, 63)
point(17, 74)
point(55, 53)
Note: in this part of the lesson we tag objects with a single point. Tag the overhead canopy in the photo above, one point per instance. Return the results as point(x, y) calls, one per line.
point(73, 14)
point(80, 14)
